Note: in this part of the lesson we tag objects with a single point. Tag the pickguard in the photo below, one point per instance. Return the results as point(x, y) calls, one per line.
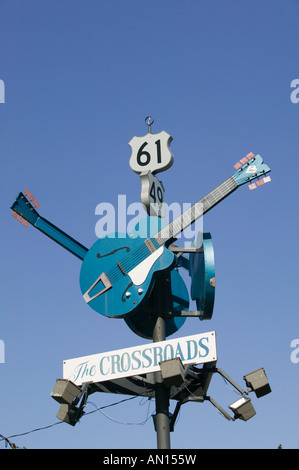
point(139, 274)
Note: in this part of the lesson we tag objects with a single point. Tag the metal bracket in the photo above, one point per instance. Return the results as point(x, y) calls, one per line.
point(231, 381)
point(185, 313)
point(219, 408)
point(183, 262)
point(180, 250)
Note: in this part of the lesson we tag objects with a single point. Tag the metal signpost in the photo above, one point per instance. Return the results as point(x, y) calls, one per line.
point(136, 277)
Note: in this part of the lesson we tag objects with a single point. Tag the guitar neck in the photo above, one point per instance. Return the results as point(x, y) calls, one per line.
point(25, 210)
point(60, 237)
point(200, 208)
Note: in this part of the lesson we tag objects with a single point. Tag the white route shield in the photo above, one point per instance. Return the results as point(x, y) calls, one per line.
point(151, 153)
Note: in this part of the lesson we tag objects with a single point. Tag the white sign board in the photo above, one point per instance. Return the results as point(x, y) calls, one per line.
point(151, 153)
point(152, 194)
point(196, 349)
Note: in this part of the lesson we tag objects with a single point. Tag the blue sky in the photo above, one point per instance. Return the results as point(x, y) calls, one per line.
point(80, 78)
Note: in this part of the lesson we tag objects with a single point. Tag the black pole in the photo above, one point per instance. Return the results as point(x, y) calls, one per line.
point(162, 299)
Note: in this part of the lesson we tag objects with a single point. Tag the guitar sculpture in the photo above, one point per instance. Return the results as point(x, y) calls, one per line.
point(118, 271)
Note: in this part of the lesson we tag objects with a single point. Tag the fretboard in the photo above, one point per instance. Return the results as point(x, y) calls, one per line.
point(194, 212)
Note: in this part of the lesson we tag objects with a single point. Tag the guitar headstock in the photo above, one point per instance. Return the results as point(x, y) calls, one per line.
point(23, 210)
point(250, 168)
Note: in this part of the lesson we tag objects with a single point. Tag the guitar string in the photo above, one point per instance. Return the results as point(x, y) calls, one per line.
point(207, 201)
point(188, 217)
point(128, 262)
point(178, 224)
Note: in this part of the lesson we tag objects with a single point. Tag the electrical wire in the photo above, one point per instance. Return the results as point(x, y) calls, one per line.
point(8, 442)
point(13, 446)
point(29, 432)
point(116, 421)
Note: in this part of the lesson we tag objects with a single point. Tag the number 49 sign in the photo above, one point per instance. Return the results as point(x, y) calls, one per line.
point(151, 153)
point(152, 194)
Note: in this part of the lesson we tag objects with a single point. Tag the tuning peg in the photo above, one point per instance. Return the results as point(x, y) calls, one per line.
point(266, 179)
point(244, 160)
point(20, 219)
point(31, 198)
point(237, 165)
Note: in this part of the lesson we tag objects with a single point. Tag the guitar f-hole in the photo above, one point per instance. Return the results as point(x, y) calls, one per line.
point(106, 283)
point(114, 251)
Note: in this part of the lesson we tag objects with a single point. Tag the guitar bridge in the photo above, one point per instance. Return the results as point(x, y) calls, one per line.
point(106, 283)
point(150, 245)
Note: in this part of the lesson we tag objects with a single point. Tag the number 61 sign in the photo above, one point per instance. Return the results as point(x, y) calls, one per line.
point(151, 153)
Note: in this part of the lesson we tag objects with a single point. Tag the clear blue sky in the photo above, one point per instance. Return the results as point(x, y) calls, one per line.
point(80, 78)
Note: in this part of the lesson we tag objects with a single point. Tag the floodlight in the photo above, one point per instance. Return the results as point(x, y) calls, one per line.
point(69, 414)
point(257, 381)
point(65, 391)
point(243, 409)
point(172, 371)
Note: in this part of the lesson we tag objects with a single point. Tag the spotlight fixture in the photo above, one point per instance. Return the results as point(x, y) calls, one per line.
point(65, 391)
point(69, 414)
point(257, 381)
point(243, 409)
point(172, 371)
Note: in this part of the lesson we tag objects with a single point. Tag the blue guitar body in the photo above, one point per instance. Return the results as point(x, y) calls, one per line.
point(118, 272)
point(142, 322)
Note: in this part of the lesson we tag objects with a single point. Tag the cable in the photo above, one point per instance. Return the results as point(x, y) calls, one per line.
point(111, 404)
point(116, 421)
point(6, 439)
point(29, 432)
